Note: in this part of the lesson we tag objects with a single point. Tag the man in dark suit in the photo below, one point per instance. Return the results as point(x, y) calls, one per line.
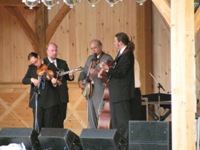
point(121, 83)
point(43, 96)
point(62, 88)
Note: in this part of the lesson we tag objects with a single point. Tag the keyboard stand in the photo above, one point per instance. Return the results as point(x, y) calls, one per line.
point(151, 112)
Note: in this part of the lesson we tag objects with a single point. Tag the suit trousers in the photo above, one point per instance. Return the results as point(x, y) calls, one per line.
point(61, 115)
point(120, 116)
point(45, 117)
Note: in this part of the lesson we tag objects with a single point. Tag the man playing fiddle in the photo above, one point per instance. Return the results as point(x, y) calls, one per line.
point(43, 96)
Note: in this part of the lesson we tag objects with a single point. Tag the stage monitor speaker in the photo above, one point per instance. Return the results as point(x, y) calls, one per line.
point(27, 136)
point(146, 135)
point(59, 139)
point(102, 139)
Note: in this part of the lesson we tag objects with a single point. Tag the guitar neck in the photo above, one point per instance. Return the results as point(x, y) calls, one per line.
point(64, 73)
point(67, 72)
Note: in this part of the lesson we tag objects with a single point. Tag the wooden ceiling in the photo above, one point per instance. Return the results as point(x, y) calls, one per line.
point(44, 29)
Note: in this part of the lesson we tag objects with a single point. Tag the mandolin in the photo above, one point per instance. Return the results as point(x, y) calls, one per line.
point(62, 73)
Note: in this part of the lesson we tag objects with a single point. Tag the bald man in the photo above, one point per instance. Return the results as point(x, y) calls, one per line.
point(62, 88)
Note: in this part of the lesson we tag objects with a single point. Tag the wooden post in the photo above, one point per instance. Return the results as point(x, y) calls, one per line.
point(41, 26)
point(183, 75)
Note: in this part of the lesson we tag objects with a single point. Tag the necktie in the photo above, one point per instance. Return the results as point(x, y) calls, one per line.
point(54, 62)
point(118, 54)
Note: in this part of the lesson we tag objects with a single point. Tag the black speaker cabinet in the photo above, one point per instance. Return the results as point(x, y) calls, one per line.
point(27, 136)
point(102, 139)
point(149, 135)
point(59, 139)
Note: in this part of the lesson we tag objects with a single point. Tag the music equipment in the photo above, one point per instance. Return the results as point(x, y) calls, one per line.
point(27, 136)
point(62, 73)
point(162, 100)
point(59, 139)
point(88, 88)
point(155, 97)
point(149, 135)
point(102, 139)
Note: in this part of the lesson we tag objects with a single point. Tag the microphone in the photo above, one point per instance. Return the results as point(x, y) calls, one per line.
point(95, 57)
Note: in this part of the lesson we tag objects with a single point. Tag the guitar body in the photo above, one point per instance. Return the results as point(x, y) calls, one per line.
point(88, 89)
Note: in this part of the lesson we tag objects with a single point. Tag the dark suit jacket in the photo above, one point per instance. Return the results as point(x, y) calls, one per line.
point(121, 83)
point(62, 89)
point(48, 94)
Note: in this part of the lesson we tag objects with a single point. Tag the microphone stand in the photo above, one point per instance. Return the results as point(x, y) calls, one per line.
point(35, 96)
point(159, 86)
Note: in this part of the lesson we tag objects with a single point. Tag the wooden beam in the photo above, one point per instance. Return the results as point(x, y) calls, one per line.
point(41, 25)
point(197, 21)
point(183, 75)
point(13, 113)
point(13, 106)
point(56, 21)
point(144, 44)
point(26, 27)
point(164, 9)
point(11, 3)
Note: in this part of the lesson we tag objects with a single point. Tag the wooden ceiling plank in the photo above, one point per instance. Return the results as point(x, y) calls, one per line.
point(197, 21)
point(56, 21)
point(11, 3)
point(164, 9)
point(26, 27)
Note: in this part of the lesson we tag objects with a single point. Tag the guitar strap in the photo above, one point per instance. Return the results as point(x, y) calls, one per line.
point(99, 59)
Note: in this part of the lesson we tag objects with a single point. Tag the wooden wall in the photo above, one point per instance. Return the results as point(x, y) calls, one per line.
point(161, 52)
point(14, 110)
point(72, 36)
point(78, 27)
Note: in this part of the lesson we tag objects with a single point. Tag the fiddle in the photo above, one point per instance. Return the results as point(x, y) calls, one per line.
point(42, 70)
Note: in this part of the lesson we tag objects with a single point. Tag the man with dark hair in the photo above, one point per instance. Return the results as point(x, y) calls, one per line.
point(62, 88)
point(90, 71)
point(43, 98)
point(121, 83)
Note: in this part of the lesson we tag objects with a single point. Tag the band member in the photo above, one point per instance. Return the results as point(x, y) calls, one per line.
point(89, 77)
point(62, 88)
point(43, 95)
point(121, 83)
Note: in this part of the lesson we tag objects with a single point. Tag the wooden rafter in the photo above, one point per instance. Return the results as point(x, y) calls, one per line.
point(56, 21)
point(164, 9)
point(41, 25)
point(25, 26)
